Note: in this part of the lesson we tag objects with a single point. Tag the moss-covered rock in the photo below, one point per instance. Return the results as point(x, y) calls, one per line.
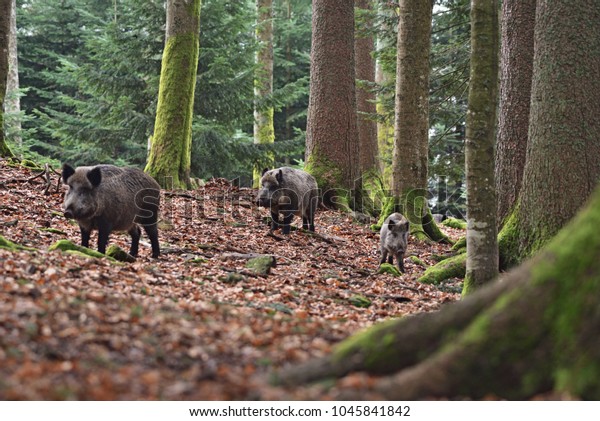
point(119, 254)
point(453, 267)
point(389, 268)
point(53, 231)
point(360, 301)
point(417, 261)
point(67, 245)
point(261, 265)
point(455, 223)
point(9, 245)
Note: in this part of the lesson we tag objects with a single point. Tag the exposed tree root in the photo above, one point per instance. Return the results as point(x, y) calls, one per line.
point(533, 331)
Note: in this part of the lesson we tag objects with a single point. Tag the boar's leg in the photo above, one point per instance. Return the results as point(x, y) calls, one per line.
point(135, 233)
point(104, 229)
point(305, 223)
point(287, 222)
point(400, 258)
point(274, 220)
point(85, 236)
point(152, 231)
point(383, 257)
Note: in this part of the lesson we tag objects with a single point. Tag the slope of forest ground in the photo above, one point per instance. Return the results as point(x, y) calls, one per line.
point(195, 323)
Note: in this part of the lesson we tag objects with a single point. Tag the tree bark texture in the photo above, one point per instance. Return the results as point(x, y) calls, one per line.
point(516, 70)
point(12, 103)
point(563, 152)
point(411, 123)
point(364, 46)
point(533, 332)
point(4, 47)
point(482, 245)
point(264, 130)
point(332, 150)
point(170, 153)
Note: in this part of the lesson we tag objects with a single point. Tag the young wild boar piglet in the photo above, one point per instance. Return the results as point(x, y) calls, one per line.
point(394, 238)
point(290, 192)
point(109, 198)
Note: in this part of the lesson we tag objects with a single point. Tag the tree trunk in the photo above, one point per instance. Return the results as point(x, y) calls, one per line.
point(12, 104)
point(385, 126)
point(563, 152)
point(332, 151)
point(535, 331)
point(411, 121)
point(264, 130)
point(4, 47)
point(365, 98)
point(482, 245)
point(516, 69)
point(170, 154)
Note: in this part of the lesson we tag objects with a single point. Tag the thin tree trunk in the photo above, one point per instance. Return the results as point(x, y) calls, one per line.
point(385, 128)
point(482, 245)
point(4, 47)
point(170, 153)
point(516, 69)
point(332, 150)
point(411, 121)
point(12, 104)
point(264, 130)
point(411, 124)
point(365, 98)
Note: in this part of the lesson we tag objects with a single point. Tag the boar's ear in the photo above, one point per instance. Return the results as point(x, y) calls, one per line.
point(391, 223)
point(264, 171)
point(94, 176)
point(279, 176)
point(67, 171)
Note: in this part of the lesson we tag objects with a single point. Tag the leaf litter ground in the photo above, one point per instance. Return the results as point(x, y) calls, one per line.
point(195, 324)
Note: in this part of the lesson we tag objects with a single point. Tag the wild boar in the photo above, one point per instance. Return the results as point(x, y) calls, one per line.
point(290, 192)
point(394, 239)
point(109, 198)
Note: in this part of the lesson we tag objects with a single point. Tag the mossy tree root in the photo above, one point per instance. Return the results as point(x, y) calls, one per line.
point(453, 267)
point(534, 332)
point(390, 346)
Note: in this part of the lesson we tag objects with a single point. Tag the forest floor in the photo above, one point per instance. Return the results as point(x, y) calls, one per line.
point(194, 324)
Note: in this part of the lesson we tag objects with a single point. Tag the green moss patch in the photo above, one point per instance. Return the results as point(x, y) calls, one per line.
point(261, 265)
point(388, 268)
point(453, 267)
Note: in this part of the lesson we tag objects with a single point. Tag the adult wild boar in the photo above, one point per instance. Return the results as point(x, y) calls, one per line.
point(394, 238)
point(290, 192)
point(109, 198)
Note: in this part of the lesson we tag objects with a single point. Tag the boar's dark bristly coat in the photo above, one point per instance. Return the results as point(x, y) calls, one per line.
point(289, 192)
point(394, 239)
point(109, 198)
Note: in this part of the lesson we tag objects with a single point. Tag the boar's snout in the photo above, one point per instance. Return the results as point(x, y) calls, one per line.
point(69, 214)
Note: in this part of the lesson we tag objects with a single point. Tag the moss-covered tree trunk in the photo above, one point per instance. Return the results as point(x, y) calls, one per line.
point(332, 151)
point(170, 153)
point(482, 245)
point(4, 40)
point(264, 130)
point(536, 331)
point(411, 120)
point(364, 46)
point(516, 69)
point(563, 152)
point(385, 126)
